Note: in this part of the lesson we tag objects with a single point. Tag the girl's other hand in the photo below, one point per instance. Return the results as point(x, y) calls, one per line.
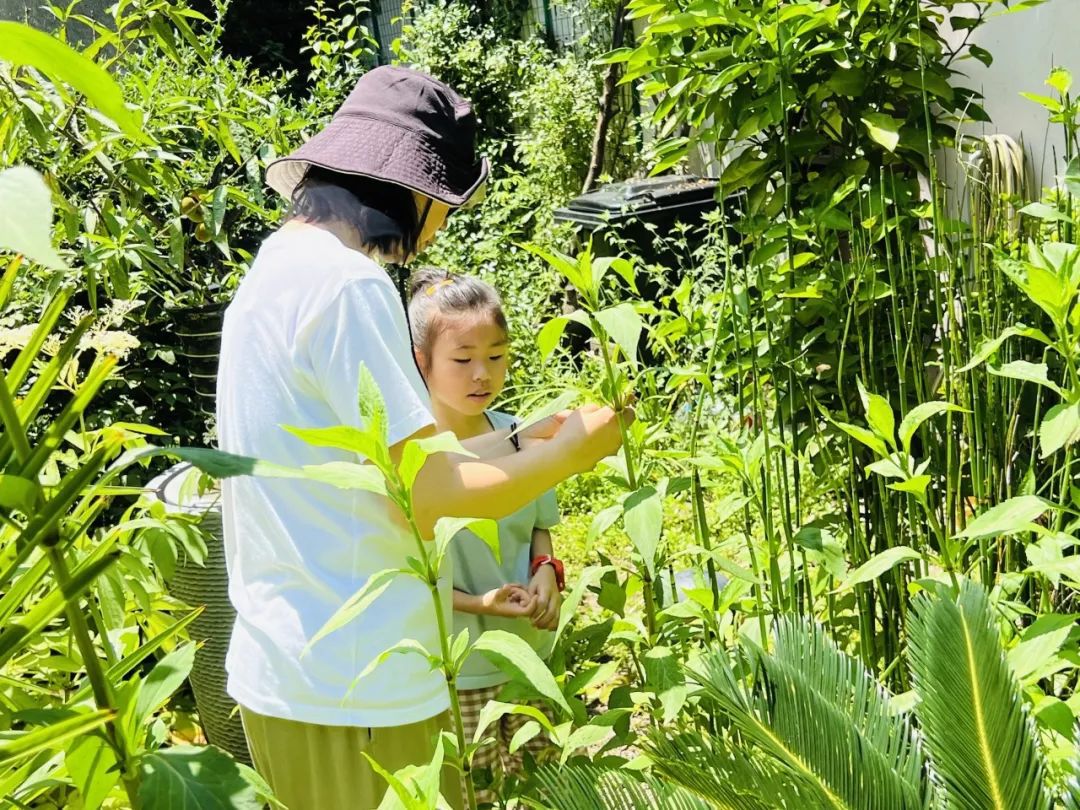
point(510, 602)
point(544, 589)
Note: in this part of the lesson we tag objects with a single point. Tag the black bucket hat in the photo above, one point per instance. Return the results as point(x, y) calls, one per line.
point(399, 126)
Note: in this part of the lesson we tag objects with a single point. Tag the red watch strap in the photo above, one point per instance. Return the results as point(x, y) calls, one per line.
point(546, 559)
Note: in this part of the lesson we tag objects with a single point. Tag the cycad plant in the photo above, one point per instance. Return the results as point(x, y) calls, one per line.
point(806, 725)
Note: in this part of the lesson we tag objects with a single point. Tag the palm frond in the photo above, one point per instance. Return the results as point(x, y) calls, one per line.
point(816, 711)
point(587, 786)
point(721, 772)
point(1071, 792)
point(979, 737)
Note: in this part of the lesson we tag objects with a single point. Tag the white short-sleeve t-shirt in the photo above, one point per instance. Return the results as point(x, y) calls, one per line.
point(307, 315)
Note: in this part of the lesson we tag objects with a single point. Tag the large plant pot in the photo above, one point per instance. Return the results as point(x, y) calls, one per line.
point(206, 586)
point(198, 344)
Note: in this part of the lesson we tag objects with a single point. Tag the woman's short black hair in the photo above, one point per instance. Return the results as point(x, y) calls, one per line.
point(383, 214)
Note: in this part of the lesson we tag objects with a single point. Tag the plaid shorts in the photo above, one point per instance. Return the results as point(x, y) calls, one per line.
point(496, 756)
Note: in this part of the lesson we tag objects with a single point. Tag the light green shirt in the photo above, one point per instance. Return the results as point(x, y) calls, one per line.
point(476, 572)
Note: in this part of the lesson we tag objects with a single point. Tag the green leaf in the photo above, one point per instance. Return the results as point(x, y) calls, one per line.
point(550, 335)
point(407, 646)
point(643, 517)
point(919, 414)
point(582, 738)
point(864, 436)
point(17, 493)
point(22, 45)
point(1047, 213)
point(883, 129)
point(184, 777)
point(356, 604)
point(343, 475)
point(879, 564)
point(569, 269)
point(623, 324)
point(1061, 80)
point(416, 452)
point(516, 657)
point(524, 734)
point(92, 766)
point(1008, 517)
point(990, 347)
point(486, 529)
point(879, 415)
point(1059, 429)
point(26, 215)
point(52, 736)
point(341, 437)
point(165, 678)
point(1027, 372)
point(494, 710)
point(1040, 644)
point(916, 485)
point(980, 739)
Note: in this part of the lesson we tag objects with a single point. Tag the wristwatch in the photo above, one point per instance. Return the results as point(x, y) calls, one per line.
point(547, 559)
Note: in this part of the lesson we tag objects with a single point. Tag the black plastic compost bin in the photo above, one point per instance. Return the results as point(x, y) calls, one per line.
point(631, 215)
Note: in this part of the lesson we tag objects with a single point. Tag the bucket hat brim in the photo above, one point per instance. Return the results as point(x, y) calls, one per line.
point(381, 150)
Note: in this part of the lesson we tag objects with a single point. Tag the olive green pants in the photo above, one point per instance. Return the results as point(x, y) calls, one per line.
point(313, 767)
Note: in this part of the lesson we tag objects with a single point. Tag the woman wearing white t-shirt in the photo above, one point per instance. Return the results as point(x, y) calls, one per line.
point(375, 185)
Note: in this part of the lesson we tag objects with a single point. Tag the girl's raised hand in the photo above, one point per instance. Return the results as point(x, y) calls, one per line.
point(510, 602)
point(546, 428)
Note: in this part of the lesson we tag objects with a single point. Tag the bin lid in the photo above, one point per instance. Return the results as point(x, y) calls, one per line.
point(630, 199)
point(177, 488)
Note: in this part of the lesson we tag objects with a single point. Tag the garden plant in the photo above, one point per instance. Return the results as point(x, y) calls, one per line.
point(836, 563)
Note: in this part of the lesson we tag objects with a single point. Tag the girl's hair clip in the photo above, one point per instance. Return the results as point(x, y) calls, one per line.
point(434, 288)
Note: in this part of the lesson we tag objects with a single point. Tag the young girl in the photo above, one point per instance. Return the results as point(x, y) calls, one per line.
point(461, 343)
point(375, 185)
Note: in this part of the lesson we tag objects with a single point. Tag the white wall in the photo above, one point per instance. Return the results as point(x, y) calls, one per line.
point(1026, 46)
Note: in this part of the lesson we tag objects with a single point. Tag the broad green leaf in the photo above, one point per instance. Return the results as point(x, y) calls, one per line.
point(1040, 644)
point(416, 452)
point(344, 475)
point(623, 267)
point(883, 129)
point(341, 437)
point(184, 777)
point(92, 766)
point(1008, 517)
point(864, 436)
point(414, 787)
point(644, 521)
point(583, 737)
point(165, 678)
point(524, 734)
point(892, 466)
point(1059, 429)
point(373, 408)
point(486, 529)
point(550, 335)
point(878, 565)
point(588, 578)
point(879, 415)
point(1061, 80)
point(1047, 213)
point(494, 710)
point(623, 324)
point(990, 347)
point(516, 657)
point(17, 493)
point(919, 414)
point(52, 736)
point(570, 269)
point(405, 647)
point(1072, 177)
point(916, 485)
point(1027, 372)
point(356, 604)
point(26, 214)
point(22, 45)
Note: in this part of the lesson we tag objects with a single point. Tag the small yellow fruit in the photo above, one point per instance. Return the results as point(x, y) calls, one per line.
point(190, 208)
point(202, 233)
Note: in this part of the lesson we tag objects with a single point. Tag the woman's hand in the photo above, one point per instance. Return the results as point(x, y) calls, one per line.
point(543, 430)
point(509, 601)
point(544, 588)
